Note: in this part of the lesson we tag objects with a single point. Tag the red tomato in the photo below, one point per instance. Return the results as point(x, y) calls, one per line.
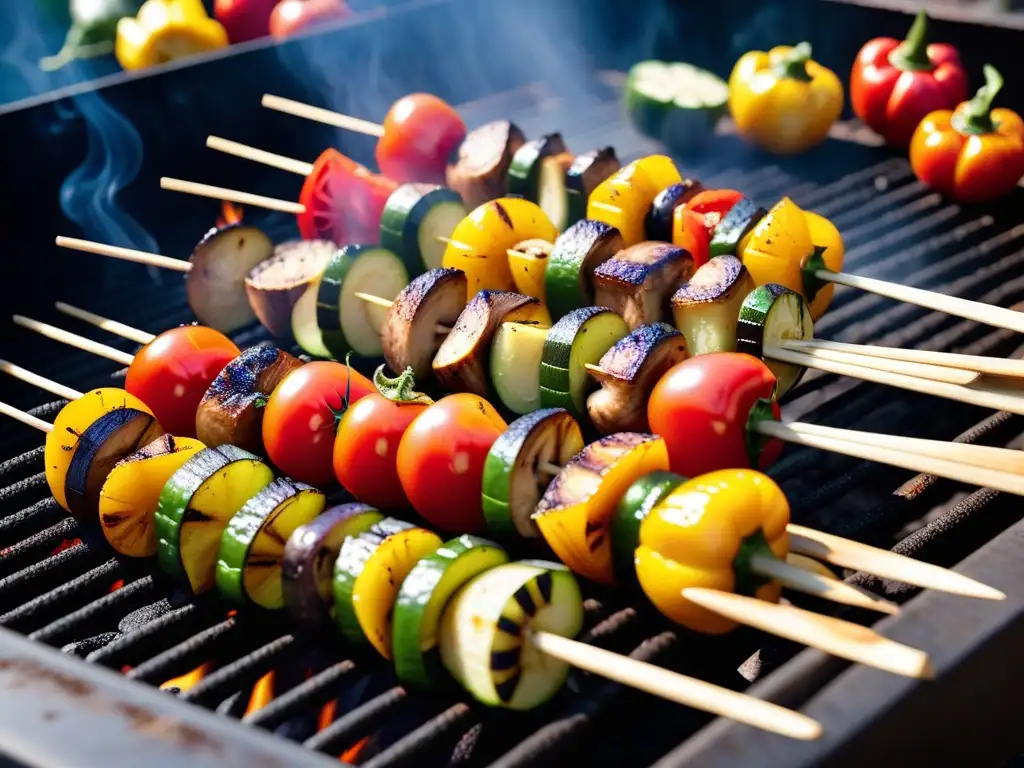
point(420, 133)
point(172, 373)
point(293, 16)
point(299, 419)
point(366, 449)
point(441, 460)
point(701, 408)
point(713, 204)
point(343, 200)
point(244, 19)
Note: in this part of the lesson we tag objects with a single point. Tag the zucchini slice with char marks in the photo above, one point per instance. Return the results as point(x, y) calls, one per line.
point(275, 285)
point(478, 168)
point(513, 480)
point(629, 371)
point(487, 631)
point(586, 172)
point(369, 572)
point(310, 554)
point(707, 308)
point(415, 217)
point(638, 281)
point(196, 505)
point(251, 555)
point(537, 172)
point(231, 411)
point(636, 504)
point(422, 599)
point(770, 315)
point(460, 364)
point(569, 276)
point(410, 336)
point(576, 511)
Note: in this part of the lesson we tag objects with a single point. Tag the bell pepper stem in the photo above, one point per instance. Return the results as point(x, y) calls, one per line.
point(976, 117)
point(761, 411)
point(813, 283)
point(747, 580)
point(399, 389)
point(912, 53)
point(794, 65)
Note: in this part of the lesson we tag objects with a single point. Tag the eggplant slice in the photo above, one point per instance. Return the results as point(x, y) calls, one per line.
point(480, 165)
point(220, 265)
point(638, 281)
point(275, 285)
point(410, 336)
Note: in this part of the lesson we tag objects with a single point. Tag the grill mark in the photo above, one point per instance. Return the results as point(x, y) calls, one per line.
point(502, 661)
point(507, 689)
point(525, 600)
point(509, 627)
point(544, 584)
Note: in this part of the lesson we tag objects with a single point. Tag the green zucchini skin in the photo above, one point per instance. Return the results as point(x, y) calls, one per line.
point(406, 210)
point(586, 172)
point(636, 504)
point(577, 252)
point(759, 324)
point(740, 219)
point(524, 171)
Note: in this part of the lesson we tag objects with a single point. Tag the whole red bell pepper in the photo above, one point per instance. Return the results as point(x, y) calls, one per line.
point(894, 84)
point(975, 153)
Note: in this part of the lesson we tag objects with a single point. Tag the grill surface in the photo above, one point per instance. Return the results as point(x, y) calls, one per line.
point(56, 577)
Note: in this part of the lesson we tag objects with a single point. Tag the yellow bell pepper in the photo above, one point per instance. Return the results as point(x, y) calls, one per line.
point(624, 198)
point(787, 246)
point(480, 244)
point(703, 534)
point(782, 100)
point(165, 30)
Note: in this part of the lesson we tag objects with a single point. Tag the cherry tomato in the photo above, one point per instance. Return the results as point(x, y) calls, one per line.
point(291, 17)
point(420, 133)
point(441, 460)
point(172, 373)
point(713, 204)
point(299, 418)
point(343, 201)
point(366, 449)
point(701, 407)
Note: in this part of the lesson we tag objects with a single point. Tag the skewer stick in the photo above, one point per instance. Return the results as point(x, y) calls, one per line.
point(992, 366)
point(681, 689)
point(36, 380)
point(127, 254)
point(952, 470)
point(232, 195)
point(74, 340)
point(974, 394)
point(810, 564)
point(380, 301)
point(596, 369)
point(106, 324)
point(881, 562)
point(835, 636)
point(458, 244)
point(320, 115)
point(259, 156)
point(548, 467)
point(812, 583)
point(940, 302)
point(902, 367)
point(25, 418)
point(1002, 459)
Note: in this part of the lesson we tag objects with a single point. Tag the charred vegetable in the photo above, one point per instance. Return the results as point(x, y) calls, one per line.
point(661, 216)
point(415, 217)
point(481, 164)
point(627, 375)
point(231, 412)
point(636, 504)
point(410, 337)
point(274, 285)
point(528, 260)
point(770, 315)
point(638, 281)
point(586, 172)
point(514, 480)
point(537, 172)
point(221, 263)
point(624, 198)
point(707, 308)
point(734, 227)
point(516, 353)
point(582, 248)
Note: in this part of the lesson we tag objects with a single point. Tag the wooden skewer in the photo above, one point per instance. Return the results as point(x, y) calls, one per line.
point(548, 467)
point(813, 583)
point(597, 369)
point(835, 636)
point(232, 195)
point(25, 418)
point(810, 564)
point(380, 301)
point(74, 340)
point(902, 367)
point(1002, 459)
point(448, 241)
point(259, 155)
point(905, 459)
point(320, 115)
point(681, 689)
point(106, 324)
point(36, 380)
point(127, 254)
point(974, 394)
point(940, 302)
point(992, 366)
point(881, 562)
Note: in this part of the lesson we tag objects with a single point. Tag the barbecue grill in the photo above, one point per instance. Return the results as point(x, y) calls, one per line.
point(548, 66)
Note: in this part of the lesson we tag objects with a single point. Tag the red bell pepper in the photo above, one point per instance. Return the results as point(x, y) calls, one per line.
point(894, 84)
point(975, 153)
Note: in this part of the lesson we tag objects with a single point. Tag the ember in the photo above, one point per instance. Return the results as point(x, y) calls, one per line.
point(230, 214)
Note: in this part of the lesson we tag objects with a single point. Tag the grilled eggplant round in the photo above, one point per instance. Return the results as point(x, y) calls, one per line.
point(221, 263)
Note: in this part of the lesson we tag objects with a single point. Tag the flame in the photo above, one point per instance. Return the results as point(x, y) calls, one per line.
point(262, 693)
point(116, 586)
point(188, 680)
point(351, 755)
point(230, 214)
point(65, 545)
point(327, 713)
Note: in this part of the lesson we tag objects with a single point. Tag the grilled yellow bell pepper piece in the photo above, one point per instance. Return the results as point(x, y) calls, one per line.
point(783, 101)
point(787, 246)
point(703, 534)
point(480, 244)
point(624, 198)
point(165, 30)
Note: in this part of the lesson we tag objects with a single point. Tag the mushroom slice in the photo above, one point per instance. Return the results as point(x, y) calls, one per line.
point(410, 335)
point(638, 281)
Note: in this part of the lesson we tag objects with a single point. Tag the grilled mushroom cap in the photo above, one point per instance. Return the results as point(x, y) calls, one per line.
point(479, 167)
point(410, 336)
point(638, 281)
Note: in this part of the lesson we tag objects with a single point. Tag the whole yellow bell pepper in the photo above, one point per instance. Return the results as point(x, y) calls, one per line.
point(787, 246)
point(165, 30)
point(703, 534)
point(782, 100)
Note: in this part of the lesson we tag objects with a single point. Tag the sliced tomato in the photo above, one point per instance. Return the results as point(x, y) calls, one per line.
point(343, 201)
point(421, 131)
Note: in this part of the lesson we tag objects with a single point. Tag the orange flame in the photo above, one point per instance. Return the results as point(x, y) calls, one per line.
point(351, 755)
point(189, 679)
point(230, 214)
point(327, 713)
point(116, 586)
point(262, 693)
point(65, 545)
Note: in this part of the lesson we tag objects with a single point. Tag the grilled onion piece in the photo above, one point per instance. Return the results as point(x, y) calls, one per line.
point(274, 285)
point(637, 282)
point(221, 262)
point(410, 336)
